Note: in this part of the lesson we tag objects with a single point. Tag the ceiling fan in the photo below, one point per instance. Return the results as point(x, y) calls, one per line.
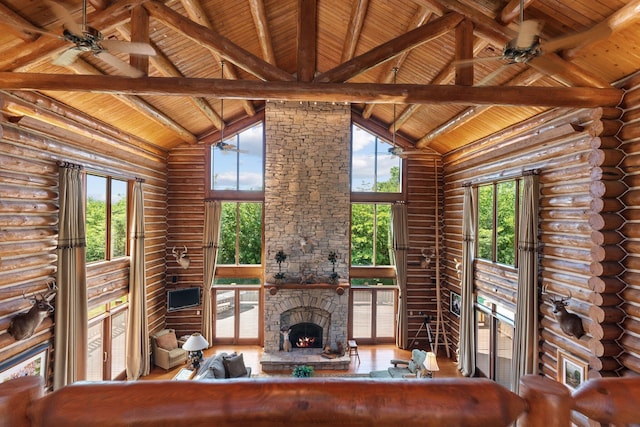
point(396, 150)
point(225, 147)
point(528, 44)
point(88, 39)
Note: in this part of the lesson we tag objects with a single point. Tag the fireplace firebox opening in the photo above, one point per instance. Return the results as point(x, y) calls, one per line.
point(306, 335)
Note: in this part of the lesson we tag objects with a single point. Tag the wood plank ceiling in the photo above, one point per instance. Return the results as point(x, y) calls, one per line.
point(246, 51)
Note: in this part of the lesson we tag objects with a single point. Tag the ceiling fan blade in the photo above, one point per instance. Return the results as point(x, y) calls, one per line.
point(547, 65)
point(134, 48)
point(528, 33)
point(467, 62)
point(63, 14)
point(492, 75)
point(120, 65)
point(67, 57)
point(598, 32)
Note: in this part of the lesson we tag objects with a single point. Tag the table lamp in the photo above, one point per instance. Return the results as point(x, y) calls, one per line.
point(431, 364)
point(194, 345)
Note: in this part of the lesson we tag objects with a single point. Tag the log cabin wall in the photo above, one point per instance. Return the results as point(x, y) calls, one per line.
point(424, 176)
point(577, 155)
point(630, 295)
point(29, 152)
point(185, 221)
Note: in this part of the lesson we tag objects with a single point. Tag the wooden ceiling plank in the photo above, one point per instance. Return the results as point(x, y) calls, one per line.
point(618, 21)
point(84, 69)
point(17, 24)
point(421, 17)
point(326, 92)
point(391, 49)
point(22, 56)
point(499, 35)
point(55, 113)
point(217, 43)
point(197, 14)
point(168, 69)
point(358, 13)
point(307, 36)
point(262, 28)
point(140, 33)
point(445, 76)
point(525, 78)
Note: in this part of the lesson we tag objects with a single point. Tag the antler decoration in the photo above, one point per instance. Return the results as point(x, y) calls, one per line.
point(181, 258)
point(426, 258)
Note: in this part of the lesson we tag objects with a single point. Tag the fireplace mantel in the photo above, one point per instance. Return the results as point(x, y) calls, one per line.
point(274, 288)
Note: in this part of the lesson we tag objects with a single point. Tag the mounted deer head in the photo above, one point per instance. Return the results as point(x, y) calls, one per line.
point(182, 258)
point(24, 324)
point(426, 258)
point(570, 323)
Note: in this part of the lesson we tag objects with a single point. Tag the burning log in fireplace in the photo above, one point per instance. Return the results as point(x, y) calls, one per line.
point(305, 342)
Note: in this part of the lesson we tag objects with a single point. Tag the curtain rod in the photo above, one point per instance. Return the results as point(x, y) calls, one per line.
point(501, 176)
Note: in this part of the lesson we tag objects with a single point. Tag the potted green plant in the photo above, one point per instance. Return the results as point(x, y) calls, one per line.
point(280, 258)
point(302, 371)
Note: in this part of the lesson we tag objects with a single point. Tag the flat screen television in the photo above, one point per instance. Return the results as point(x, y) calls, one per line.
point(181, 298)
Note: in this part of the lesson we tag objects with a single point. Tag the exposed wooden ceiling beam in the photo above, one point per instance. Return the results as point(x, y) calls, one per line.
point(391, 49)
point(140, 33)
point(106, 19)
point(168, 69)
point(511, 11)
point(262, 28)
point(84, 69)
point(14, 22)
point(418, 20)
point(499, 35)
point(325, 92)
point(464, 50)
point(217, 43)
point(358, 12)
point(307, 29)
point(197, 14)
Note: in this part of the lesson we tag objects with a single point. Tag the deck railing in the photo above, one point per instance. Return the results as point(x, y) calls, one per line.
point(319, 401)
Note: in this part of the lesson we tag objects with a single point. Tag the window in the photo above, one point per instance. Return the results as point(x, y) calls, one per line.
point(239, 164)
point(240, 234)
point(106, 218)
point(106, 353)
point(373, 168)
point(370, 234)
point(497, 212)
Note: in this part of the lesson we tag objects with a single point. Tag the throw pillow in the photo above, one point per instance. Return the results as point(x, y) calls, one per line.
point(167, 341)
point(234, 366)
point(217, 366)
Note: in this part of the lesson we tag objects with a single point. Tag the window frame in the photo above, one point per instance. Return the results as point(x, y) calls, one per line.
point(494, 220)
point(108, 214)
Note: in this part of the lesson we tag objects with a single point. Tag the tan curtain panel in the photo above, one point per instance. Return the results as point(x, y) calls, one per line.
point(70, 362)
point(212, 215)
point(138, 355)
point(400, 232)
point(525, 340)
point(467, 344)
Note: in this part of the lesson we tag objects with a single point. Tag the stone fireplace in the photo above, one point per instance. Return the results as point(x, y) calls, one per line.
point(307, 216)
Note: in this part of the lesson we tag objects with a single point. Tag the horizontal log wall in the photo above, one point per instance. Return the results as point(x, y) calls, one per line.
point(29, 152)
point(186, 165)
point(630, 295)
point(576, 153)
point(423, 177)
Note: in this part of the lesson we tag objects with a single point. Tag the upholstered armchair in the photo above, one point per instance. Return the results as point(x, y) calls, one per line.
point(166, 352)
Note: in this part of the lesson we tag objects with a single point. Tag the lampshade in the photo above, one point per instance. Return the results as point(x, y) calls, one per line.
point(430, 363)
point(195, 342)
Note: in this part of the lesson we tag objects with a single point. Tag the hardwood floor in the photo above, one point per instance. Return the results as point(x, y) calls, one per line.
point(372, 358)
